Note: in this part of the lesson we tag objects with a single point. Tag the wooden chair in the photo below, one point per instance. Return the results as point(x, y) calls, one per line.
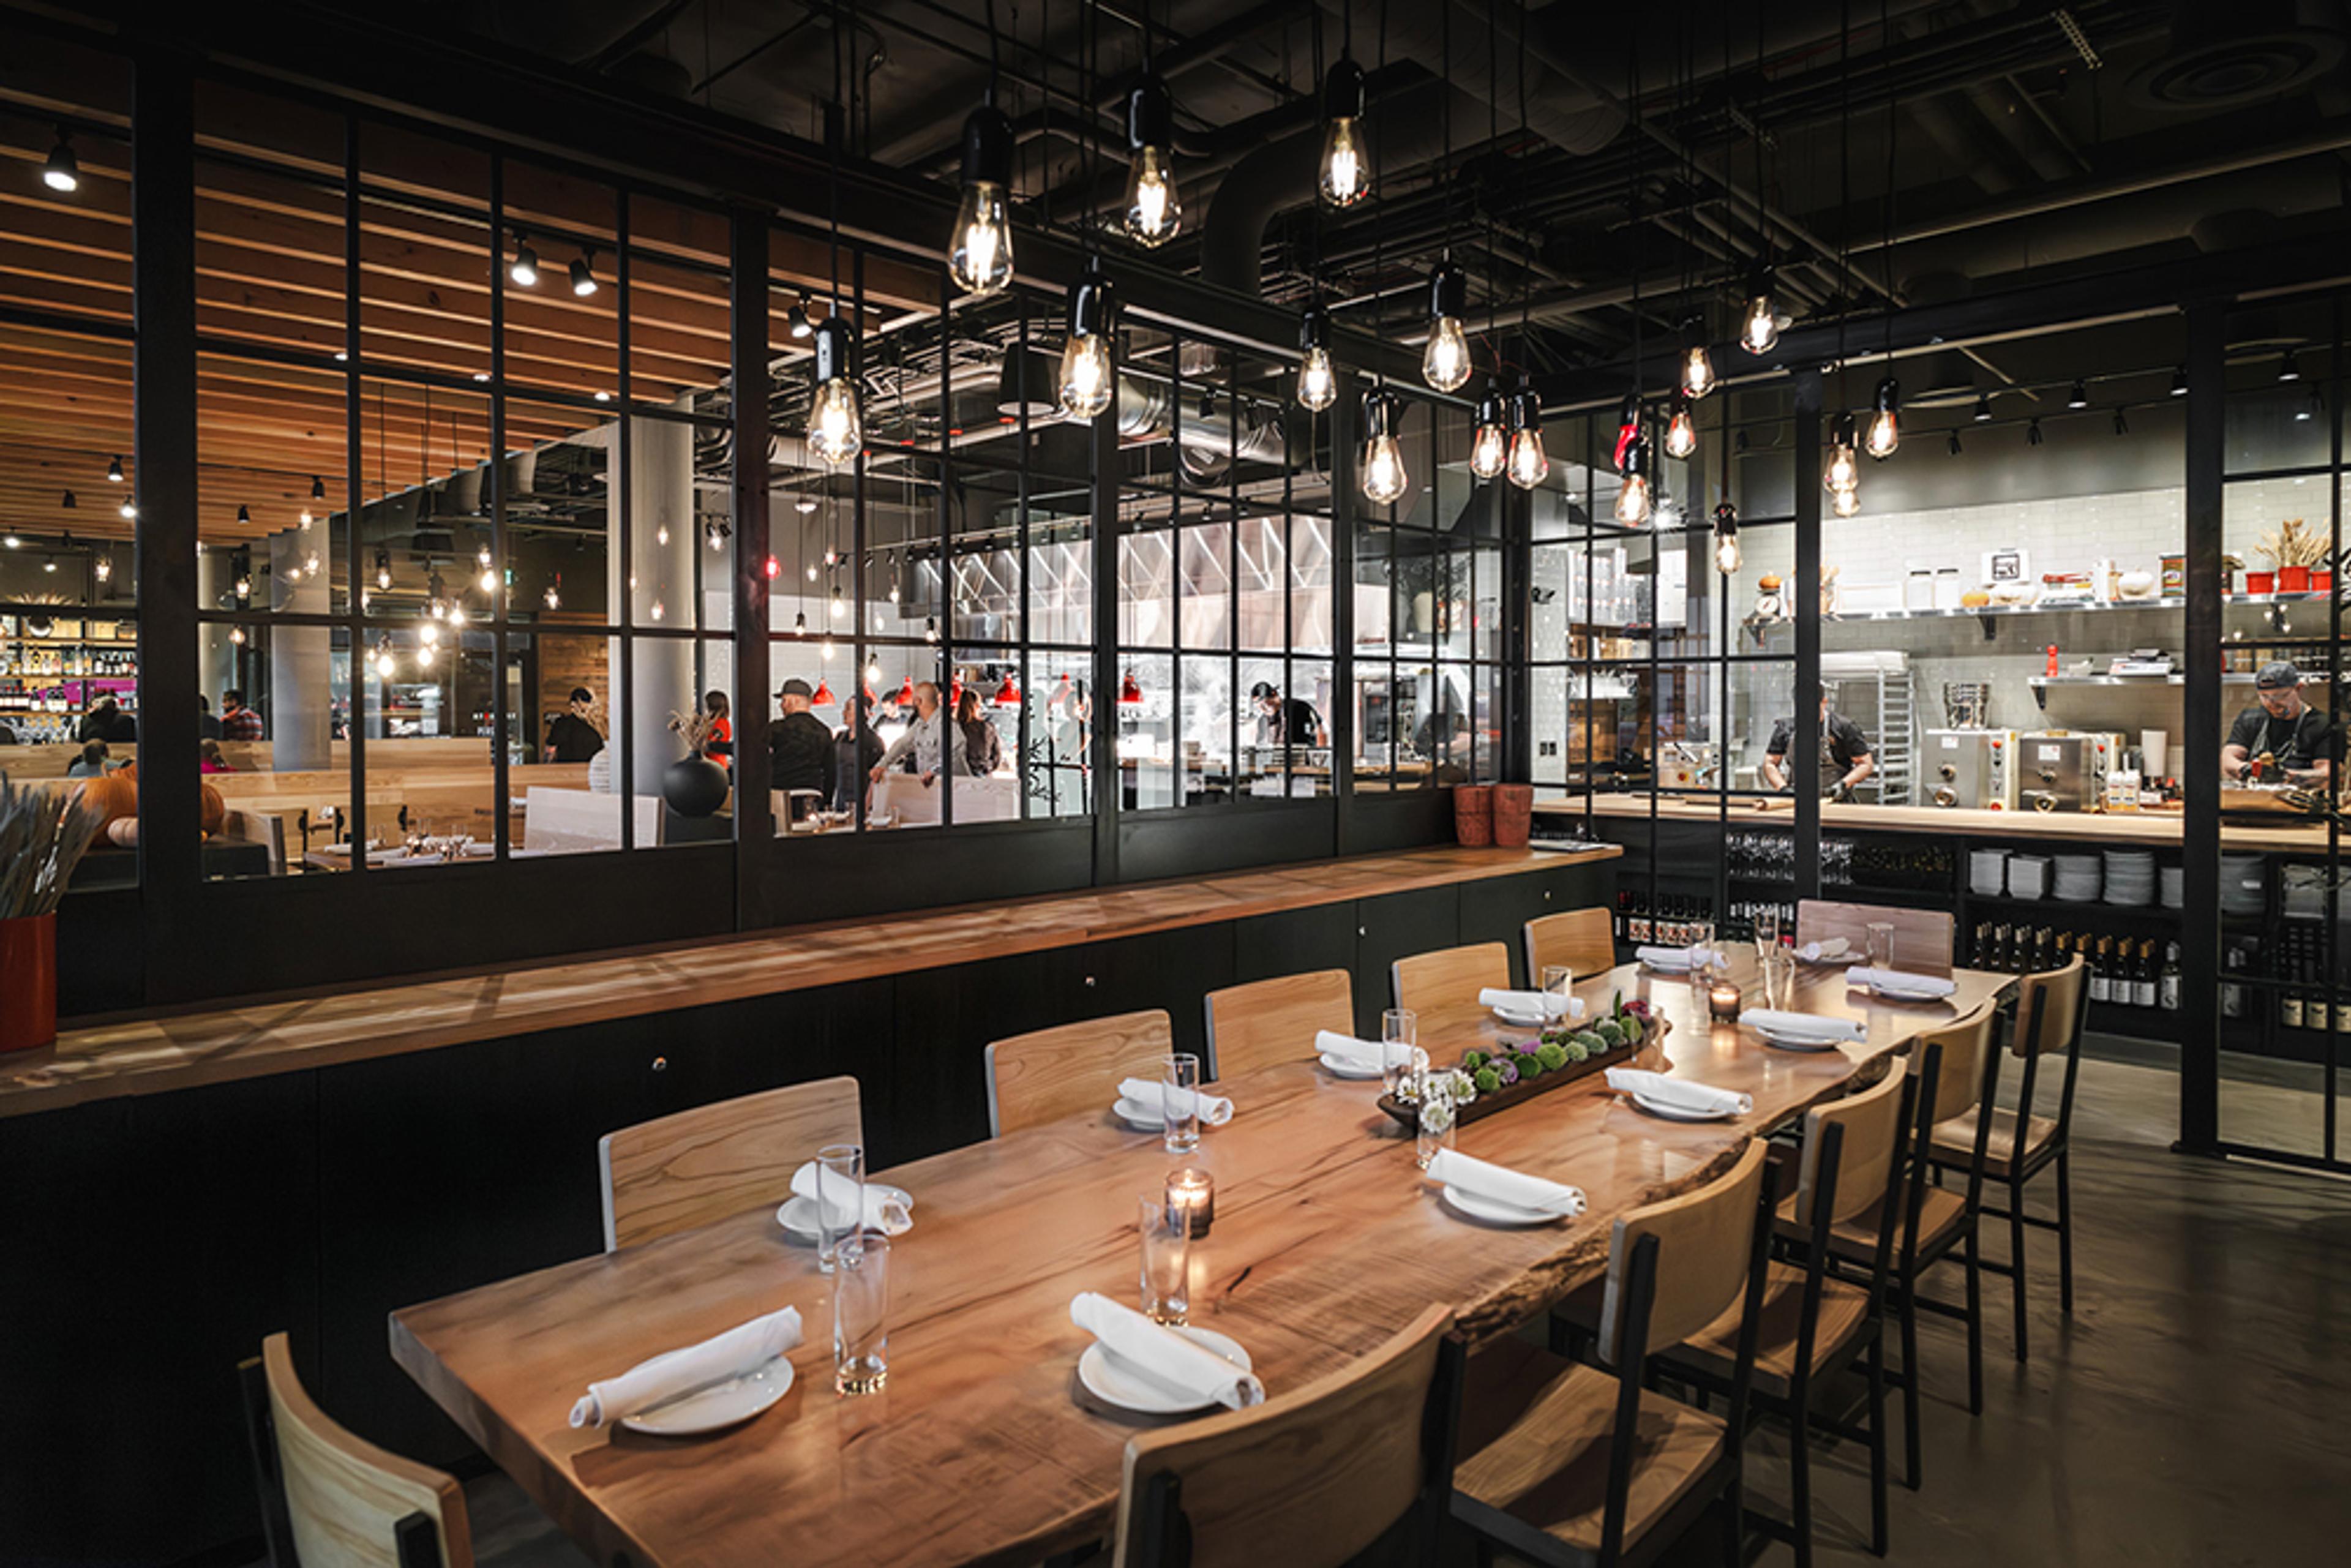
point(676, 1172)
point(1072, 1068)
point(2014, 1147)
point(1310, 1477)
point(1567, 1464)
point(1968, 1052)
point(330, 1498)
point(1270, 1021)
point(1582, 939)
point(1922, 937)
point(1443, 987)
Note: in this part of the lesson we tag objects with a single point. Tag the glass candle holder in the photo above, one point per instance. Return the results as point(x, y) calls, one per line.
point(1192, 1195)
point(1722, 999)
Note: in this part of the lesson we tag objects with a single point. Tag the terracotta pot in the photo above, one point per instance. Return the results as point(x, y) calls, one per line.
point(2294, 580)
point(28, 983)
point(2320, 580)
point(1473, 814)
point(2261, 582)
point(1514, 806)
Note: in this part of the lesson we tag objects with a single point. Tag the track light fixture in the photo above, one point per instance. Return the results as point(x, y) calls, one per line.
point(1726, 540)
point(114, 472)
point(797, 319)
point(2179, 381)
point(524, 268)
point(1529, 464)
point(1318, 382)
point(2122, 425)
point(836, 418)
point(1681, 431)
point(1384, 476)
point(1346, 173)
point(1490, 445)
point(583, 273)
point(69, 504)
point(980, 259)
point(1153, 214)
point(2289, 368)
point(1445, 364)
point(1697, 365)
point(1884, 419)
point(1758, 326)
point(1842, 472)
point(60, 171)
point(243, 516)
point(2080, 396)
point(1088, 377)
point(1955, 444)
point(1983, 409)
point(128, 508)
point(2032, 431)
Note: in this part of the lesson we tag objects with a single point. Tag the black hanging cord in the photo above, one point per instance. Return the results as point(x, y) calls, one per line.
point(995, 55)
point(1527, 273)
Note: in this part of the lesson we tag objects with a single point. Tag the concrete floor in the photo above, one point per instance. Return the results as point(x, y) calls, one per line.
point(2196, 1409)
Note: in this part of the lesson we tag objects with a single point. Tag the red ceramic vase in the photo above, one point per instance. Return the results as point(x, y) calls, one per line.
point(28, 983)
point(1473, 814)
point(1514, 806)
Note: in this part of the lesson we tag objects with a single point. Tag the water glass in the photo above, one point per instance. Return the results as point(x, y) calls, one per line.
point(1433, 1094)
point(840, 1199)
point(1767, 929)
point(1881, 945)
point(1167, 1260)
point(860, 1313)
point(1558, 983)
point(1399, 1046)
point(1780, 979)
point(1179, 1102)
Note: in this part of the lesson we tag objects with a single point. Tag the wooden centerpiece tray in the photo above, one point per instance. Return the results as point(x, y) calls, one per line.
point(1504, 1096)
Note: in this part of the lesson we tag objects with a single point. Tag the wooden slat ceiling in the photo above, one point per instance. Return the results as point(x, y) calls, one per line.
point(270, 273)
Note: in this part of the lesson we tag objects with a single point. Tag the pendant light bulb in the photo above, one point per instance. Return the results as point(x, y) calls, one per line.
point(1633, 500)
point(1490, 446)
point(1318, 379)
point(103, 568)
point(1845, 503)
point(980, 256)
point(1681, 431)
point(1884, 428)
point(1346, 173)
point(1842, 471)
point(1528, 465)
point(836, 421)
point(1758, 327)
point(1726, 540)
point(1384, 476)
point(1697, 365)
point(384, 663)
point(1445, 364)
point(1088, 379)
point(1153, 212)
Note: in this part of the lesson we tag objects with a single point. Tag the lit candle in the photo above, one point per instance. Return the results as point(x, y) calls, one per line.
point(1722, 999)
point(1192, 1192)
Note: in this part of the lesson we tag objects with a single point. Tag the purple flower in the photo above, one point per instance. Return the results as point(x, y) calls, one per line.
point(1526, 1048)
point(1509, 1070)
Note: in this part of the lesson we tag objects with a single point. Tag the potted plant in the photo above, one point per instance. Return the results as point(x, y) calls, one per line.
point(42, 835)
point(694, 785)
point(2294, 552)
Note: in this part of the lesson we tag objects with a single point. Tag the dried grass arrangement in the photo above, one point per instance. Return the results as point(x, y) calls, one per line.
point(43, 834)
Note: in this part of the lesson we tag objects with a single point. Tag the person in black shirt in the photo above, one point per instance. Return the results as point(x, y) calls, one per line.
point(854, 752)
point(573, 737)
point(2302, 747)
point(1848, 749)
point(208, 724)
point(799, 747)
point(1285, 721)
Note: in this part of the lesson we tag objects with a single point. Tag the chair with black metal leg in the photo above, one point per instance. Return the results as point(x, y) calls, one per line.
point(1565, 1464)
point(1968, 1078)
point(2017, 1145)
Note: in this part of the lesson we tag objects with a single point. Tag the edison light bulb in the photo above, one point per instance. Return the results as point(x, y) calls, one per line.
point(1846, 503)
point(1345, 174)
point(1529, 465)
point(1725, 554)
point(834, 424)
point(1759, 331)
point(981, 261)
point(1384, 474)
point(1446, 363)
point(384, 665)
point(1318, 383)
point(1681, 434)
point(1633, 501)
point(1697, 372)
point(1843, 473)
point(1884, 433)
point(1488, 450)
point(428, 633)
point(1153, 212)
point(424, 658)
point(1086, 380)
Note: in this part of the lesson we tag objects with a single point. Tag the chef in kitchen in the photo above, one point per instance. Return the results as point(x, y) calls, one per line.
point(2281, 738)
point(1848, 756)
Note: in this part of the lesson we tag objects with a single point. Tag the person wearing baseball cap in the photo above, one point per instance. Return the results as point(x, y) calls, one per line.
point(799, 747)
point(2281, 738)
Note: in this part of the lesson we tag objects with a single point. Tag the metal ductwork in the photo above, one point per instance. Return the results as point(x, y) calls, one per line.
point(1207, 445)
point(2225, 54)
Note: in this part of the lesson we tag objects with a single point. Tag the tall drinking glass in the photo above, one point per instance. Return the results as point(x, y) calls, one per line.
point(1558, 985)
point(1767, 928)
point(1167, 1260)
point(1881, 945)
point(1399, 1046)
point(1435, 1114)
point(1780, 979)
point(840, 1199)
point(1179, 1102)
point(860, 1313)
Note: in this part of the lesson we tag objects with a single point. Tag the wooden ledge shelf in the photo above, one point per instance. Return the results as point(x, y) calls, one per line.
point(155, 1052)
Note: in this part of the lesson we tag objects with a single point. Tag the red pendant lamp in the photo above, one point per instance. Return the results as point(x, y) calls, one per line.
point(1008, 693)
point(1128, 692)
point(955, 693)
point(823, 697)
point(905, 697)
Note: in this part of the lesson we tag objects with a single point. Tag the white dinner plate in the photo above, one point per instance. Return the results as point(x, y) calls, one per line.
point(1520, 1021)
point(1654, 966)
point(1794, 1042)
point(1677, 1113)
point(1142, 1118)
point(1347, 1067)
point(1116, 1381)
point(720, 1406)
point(1894, 994)
point(797, 1215)
point(1493, 1211)
point(1832, 960)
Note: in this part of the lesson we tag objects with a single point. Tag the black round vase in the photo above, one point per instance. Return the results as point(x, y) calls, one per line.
point(694, 786)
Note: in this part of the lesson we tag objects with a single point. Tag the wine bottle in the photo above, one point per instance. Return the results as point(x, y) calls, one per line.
point(2100, 989)
point(2288, 969)
point(2167, 984)
point(2143, 976)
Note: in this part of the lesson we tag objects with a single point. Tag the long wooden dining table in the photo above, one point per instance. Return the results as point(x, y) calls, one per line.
point(982, 1447)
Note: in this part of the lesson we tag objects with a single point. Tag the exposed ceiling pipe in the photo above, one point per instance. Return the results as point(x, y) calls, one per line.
point(1564, 112)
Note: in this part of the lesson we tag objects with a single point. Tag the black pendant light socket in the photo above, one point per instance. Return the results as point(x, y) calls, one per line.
point(1889, 395)
point(1629, 410)
point(1313, 330)
point(1449, 290)
point(988, 147)
point(1342, 91)
point(1491, 407)
point(833, 347)
point(1150, 114)
point(1093, 304)
point(1841, 433)
point(1379, 414)
point(1636, 457)
point(1526, 407)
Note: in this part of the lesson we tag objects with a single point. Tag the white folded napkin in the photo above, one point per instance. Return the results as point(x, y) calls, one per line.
point(884, 1210)
point(1504, 1185)
point(654, 1383)
point(1215, 1109)
point(1679, 1093)
point(1899, 980)
point(1677, 957)
point(1814, 951)
point(1188, 1369)
point(1802, 1026)
point(1543, 1003)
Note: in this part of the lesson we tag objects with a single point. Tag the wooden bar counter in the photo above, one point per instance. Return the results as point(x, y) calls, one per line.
point(2157, 827)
